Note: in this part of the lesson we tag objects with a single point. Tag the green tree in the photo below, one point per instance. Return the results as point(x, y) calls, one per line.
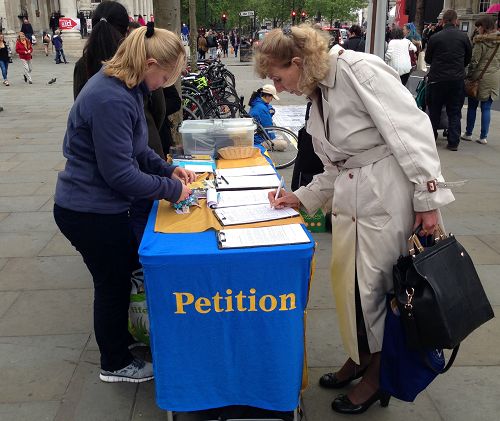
point(341, 10)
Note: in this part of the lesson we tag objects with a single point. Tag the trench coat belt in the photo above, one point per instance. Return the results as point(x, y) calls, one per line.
point(365, 158)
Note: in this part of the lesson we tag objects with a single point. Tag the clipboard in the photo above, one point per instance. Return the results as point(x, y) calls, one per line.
point(240, 215)
point(277, 235)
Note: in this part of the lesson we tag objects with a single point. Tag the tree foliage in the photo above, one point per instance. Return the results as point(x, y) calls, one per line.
point(209, 12)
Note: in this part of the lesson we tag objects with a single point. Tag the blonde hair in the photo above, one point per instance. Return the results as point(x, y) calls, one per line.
point(129, 62)
point(279, 47)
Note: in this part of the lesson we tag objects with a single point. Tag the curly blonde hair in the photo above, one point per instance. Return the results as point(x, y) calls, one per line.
point(279, 47)
point(129, 62)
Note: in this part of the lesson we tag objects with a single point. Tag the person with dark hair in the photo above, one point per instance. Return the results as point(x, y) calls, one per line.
point(27, 29)
point(53, 22)
point(109, 27)
point(448, 52)
point(202, 46)
point(398, 54)
point(355, 41)
point(486, 47)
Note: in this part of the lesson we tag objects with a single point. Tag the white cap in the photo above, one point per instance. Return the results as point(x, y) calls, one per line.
point(270, 90)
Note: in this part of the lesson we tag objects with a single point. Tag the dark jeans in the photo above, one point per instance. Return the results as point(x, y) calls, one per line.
point(59, 54)
point(108, 248)
point(451, 94)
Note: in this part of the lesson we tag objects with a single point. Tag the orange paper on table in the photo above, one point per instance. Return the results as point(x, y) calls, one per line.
point(201, 219)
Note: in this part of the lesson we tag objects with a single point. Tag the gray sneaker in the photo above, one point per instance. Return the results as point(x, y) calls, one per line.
point(137, 371)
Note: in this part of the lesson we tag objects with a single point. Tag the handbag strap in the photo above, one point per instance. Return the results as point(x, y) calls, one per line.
point(448, 365)
point(489, 62)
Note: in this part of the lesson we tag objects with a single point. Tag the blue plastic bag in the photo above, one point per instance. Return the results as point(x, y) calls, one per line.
point(404, 373)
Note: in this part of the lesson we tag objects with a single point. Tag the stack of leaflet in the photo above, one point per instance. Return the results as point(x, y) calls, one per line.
point(195, 163)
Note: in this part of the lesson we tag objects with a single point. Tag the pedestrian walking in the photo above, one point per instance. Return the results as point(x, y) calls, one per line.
point(448, 52)
point(24, 50)
point(211, 44)
point(57, 42)
point(46, 38)
point(236, 44)
point(355, 41)
point(109, 164)
point(225, 45)
point(376, 178)
point(27, 29)
point(486, 48)
point(202, 47)
point(398, 54)
point(4, 59)
point(53, 22)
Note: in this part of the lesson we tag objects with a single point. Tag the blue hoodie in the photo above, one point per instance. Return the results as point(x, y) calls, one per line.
point(260, 110)
point(109, 162)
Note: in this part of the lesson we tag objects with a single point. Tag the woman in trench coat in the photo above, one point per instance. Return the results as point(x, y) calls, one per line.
point(382, 177)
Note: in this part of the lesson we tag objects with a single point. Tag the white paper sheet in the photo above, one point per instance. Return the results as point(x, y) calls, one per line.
point(248, 182)
point(265, 236)
point(253, 213)
point(238, 172)
point(243, 198)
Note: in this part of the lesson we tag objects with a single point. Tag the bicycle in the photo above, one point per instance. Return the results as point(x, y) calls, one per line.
point(283, 156)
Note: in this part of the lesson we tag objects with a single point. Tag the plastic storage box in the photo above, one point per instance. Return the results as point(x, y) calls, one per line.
point(206, 137)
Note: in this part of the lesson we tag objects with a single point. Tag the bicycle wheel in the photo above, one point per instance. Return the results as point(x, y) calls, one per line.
point(283, 148)
point(191, 104)
point(222, 110)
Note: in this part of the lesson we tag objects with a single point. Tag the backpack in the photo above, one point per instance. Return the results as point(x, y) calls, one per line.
point(420, 94)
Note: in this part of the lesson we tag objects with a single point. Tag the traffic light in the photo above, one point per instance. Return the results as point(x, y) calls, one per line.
point(224, 19)
point(303, 16)
point(294, 15)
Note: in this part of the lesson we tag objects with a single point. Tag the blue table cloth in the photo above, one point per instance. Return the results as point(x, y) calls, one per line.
point(227, 326)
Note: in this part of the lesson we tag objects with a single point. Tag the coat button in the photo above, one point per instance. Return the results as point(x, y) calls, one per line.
point(351, 175)
point(353, 219)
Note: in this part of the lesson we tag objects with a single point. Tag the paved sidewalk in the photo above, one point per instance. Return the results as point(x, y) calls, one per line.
point(48, 355)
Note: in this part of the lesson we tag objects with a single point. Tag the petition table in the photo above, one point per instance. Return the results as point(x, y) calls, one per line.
point(226, 326)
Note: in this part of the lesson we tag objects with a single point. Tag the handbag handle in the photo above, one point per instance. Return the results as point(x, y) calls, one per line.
point(414, 241)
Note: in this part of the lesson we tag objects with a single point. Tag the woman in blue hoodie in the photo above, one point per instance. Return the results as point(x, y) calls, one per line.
point(109, 164)
point(262, 111)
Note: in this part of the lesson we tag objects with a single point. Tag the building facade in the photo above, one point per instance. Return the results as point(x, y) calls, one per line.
point(39, 12)
point(468, 10)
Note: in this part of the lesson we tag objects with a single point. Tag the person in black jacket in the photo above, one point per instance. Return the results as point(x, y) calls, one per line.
point(27, 29)
point(355, 41)
point(448, 52)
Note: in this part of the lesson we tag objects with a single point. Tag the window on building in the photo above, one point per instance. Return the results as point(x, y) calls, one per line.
point(483, 5)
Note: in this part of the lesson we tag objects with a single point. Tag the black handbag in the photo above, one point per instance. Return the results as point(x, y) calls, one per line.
point(439, 294)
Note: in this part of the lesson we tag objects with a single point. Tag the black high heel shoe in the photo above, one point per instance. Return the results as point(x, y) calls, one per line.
point(343, 404)
point(330, 381)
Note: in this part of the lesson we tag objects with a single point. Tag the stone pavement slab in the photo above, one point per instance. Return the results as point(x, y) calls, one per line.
point(38, 368)
point(48, 355)
point(45, 312)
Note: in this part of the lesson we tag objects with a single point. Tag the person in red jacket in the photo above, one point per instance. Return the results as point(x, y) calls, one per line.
point(24, 50)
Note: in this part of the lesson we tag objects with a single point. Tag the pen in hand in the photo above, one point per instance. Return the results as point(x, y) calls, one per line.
point(279, 190)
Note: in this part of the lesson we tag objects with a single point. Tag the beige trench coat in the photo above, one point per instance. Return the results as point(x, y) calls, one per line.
point(361, 105)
